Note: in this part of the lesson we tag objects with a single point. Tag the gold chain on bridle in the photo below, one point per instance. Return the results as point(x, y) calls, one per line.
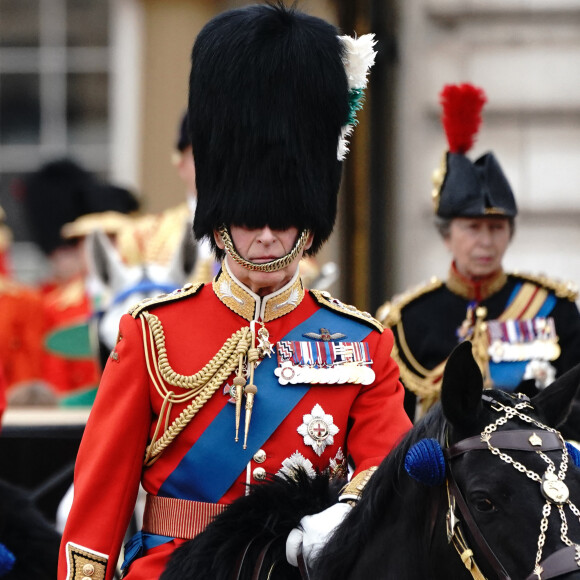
point(559, 496)
point(552, 486)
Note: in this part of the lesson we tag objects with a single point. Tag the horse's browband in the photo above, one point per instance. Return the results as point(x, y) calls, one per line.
point(517, 439)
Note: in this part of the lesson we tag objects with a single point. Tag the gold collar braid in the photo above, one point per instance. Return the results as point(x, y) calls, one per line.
point(271, 266)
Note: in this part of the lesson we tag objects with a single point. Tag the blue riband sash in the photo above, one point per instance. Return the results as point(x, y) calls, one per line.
point(215, 460)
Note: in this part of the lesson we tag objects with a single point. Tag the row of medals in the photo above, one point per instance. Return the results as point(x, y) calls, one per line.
point(353, 373)
point(538, 349)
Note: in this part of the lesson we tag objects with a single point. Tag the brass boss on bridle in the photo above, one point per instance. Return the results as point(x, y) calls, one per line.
point(273, 265)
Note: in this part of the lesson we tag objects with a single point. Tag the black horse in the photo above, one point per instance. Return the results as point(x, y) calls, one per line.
point(29, 543)
point(477, 489)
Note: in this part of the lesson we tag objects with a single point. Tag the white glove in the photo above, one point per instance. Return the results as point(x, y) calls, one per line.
point(314, 532)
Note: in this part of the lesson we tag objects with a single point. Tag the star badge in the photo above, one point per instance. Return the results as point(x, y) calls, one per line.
point(318, 429)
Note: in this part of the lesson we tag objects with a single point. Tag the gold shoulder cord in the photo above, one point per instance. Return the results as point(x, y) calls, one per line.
point(200, 386)
point(427, 387)
point(561, 289)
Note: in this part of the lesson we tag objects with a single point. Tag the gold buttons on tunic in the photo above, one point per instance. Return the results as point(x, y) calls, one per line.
point(260, 456)
point(259, 474)
point(88, 570)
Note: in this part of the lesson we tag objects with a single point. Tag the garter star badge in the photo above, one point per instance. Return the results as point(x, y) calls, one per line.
point(318, 429)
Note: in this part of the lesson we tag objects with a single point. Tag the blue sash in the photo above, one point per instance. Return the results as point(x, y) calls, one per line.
point(215, 460)
point(139, 543)
point(507, 375)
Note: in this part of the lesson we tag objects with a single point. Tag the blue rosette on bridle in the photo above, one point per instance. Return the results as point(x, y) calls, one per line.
point(425, 462)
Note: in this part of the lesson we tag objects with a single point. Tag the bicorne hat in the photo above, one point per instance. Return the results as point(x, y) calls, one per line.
point(463, 188)
point(268, 103)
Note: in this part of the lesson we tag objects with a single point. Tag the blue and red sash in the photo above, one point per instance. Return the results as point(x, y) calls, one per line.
point(215, 461)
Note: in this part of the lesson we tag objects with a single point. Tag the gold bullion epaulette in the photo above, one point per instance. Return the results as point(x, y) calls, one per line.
point(390, 312)
point(179, 294)
point(562, 289)
point(327, 301)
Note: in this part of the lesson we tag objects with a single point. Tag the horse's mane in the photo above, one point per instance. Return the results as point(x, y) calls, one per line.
point(383, 495)
point(27, 534)
point(267, 514)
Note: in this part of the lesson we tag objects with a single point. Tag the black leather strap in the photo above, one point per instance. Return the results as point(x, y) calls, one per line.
point(477, 536)
point(237, 572)
point(518, 440)
point(557, 564)
point(261, 557)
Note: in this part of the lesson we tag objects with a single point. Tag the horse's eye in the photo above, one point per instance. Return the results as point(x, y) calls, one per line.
point(483, 504)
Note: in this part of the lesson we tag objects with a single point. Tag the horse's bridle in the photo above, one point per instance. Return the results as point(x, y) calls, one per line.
point(553, 488)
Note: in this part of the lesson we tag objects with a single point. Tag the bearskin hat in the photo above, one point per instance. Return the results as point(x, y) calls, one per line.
point(62, 191)
point(268, 96)
point(464, 188)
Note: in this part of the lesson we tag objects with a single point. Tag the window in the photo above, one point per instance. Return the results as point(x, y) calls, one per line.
point(54, 89)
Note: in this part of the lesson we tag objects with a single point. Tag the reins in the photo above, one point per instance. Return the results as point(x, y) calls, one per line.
point(261, 559)
point(553, 488)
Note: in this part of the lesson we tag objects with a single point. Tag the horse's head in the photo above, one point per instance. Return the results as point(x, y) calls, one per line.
point(116, 286)
point(512, 484)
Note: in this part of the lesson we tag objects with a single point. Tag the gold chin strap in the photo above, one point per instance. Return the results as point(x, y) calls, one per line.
point(272, 266)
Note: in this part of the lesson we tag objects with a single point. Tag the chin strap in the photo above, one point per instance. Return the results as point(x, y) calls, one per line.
point(274, 265)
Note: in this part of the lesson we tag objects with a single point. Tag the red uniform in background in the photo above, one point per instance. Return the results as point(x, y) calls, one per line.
point(21, 327)
point(21, 333)
point(65, 305)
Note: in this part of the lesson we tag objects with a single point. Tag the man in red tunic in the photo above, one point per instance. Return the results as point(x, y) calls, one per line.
point(212, 387)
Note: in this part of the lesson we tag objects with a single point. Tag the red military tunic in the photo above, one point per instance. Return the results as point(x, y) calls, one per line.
point(65, 305)
point(21, 333)
point(366, 421)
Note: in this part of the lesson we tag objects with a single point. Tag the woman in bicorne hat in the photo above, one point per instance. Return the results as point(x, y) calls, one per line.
point(525, 329)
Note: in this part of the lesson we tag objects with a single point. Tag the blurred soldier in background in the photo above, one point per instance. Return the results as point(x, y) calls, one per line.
point(58, 193)
point(21, 334)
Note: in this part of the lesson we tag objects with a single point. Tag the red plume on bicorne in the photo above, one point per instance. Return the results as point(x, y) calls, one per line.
point(461, 115)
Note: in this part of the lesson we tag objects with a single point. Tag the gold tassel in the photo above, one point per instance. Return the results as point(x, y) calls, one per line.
point(250, 391)
point(238, 389)
point(481, 345)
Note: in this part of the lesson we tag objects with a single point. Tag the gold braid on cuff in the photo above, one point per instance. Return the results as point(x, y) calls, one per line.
point(272, 266)
point(353, 490)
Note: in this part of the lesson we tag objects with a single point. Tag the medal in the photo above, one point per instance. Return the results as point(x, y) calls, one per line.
point(318, 429)
point(368, 376)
